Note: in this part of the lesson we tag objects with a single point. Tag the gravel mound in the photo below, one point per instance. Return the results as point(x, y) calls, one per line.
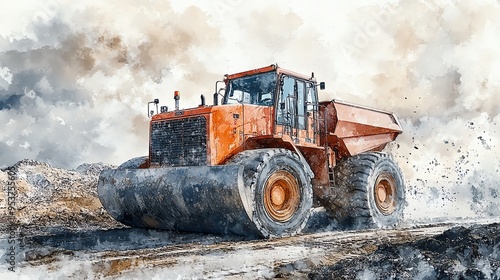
point(50, 197)
point(458, 253)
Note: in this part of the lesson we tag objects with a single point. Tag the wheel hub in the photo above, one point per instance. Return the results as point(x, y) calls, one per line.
point(281, 196)
point(385, 194)
point(277, 195)
point(381, 193)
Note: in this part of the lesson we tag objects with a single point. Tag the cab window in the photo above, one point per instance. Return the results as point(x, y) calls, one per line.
point(293, 99)
point(286, 102)
point(255, 89)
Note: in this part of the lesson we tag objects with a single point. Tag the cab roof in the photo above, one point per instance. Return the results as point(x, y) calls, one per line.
point(270, 68)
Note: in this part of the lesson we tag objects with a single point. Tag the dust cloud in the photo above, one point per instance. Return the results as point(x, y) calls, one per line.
point(75, 78)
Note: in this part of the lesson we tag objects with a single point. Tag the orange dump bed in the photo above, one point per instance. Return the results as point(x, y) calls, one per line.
point(352, 129)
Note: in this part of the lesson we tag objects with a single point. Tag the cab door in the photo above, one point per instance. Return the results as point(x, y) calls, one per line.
point(295, 108)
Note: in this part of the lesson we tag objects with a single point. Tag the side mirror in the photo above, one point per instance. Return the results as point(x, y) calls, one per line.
point(282, 105)
point(152, 112)
point(217, 92)
point(322, 85)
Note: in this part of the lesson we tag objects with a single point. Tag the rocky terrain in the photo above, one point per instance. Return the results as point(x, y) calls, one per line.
point(51, 198)
point(65, 233)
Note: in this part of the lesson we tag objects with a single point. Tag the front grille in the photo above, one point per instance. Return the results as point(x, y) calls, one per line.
point(181, 142)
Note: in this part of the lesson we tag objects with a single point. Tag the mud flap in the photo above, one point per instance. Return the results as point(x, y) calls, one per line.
point(196, 199)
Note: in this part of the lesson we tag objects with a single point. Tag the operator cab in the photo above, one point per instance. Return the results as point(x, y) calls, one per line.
point(293, 96)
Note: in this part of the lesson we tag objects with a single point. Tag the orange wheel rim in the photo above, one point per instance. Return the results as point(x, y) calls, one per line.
point(385, 194)
point(281, 196)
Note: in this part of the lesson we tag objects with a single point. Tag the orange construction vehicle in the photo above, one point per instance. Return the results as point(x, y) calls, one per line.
point(258, 163)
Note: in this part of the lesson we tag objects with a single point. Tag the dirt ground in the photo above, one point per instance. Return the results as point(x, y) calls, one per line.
point(458, 253)
point(64, 233)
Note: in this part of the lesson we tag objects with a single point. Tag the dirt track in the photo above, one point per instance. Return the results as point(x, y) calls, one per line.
point(133, 253)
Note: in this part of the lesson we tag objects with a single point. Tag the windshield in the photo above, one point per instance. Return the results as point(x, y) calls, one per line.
point(256, 89)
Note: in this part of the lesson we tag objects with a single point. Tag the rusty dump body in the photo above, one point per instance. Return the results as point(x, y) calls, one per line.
point(197, 174)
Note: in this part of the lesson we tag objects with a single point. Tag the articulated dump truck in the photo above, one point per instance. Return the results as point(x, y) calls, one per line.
point(258, 163)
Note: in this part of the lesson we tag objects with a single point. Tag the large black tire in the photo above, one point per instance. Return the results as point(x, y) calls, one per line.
point(368, 193)
point(281, 188)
